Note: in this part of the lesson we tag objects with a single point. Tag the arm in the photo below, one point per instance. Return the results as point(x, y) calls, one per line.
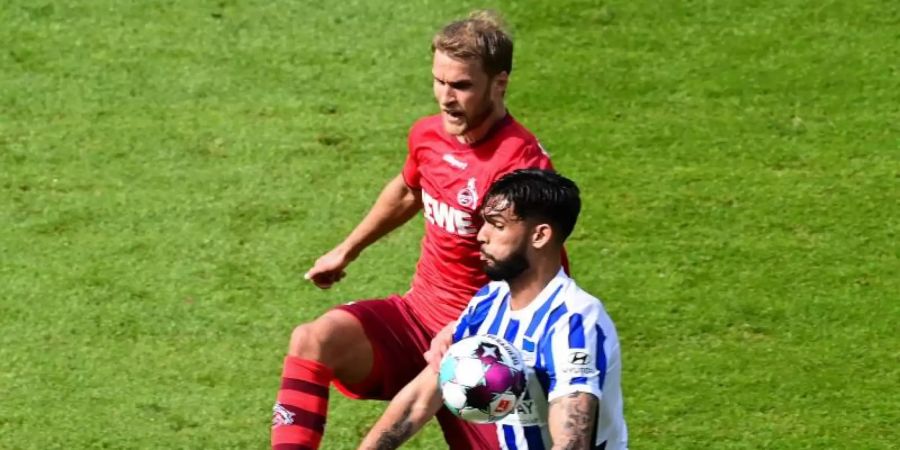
point(578, 349)
point(572, 421)
point(408, 412)
point(396, 204)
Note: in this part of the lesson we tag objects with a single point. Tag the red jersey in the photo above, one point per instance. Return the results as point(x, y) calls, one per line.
point(453, 178)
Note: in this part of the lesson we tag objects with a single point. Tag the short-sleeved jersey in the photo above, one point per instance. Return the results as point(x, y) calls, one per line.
point(569, 344)
point(453, 177)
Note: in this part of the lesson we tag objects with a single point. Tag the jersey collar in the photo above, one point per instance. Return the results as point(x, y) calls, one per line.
point(499, 125)
point(560, 281)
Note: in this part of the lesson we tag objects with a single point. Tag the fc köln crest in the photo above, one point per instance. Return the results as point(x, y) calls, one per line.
point(468, 196)
point(281, 416)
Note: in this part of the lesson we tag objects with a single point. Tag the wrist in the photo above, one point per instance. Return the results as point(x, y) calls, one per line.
point(348, 251)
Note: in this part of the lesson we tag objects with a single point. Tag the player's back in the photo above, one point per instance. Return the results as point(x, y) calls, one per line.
point(570, 344)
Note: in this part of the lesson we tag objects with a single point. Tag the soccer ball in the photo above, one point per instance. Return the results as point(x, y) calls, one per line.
point(482, 378)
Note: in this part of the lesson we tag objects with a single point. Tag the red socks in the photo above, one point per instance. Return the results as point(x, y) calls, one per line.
point(298, 418)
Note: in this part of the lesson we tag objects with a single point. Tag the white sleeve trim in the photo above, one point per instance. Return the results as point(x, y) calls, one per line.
point(561, 391)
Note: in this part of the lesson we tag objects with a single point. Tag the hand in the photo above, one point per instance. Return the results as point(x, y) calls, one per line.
point(439, 346)
point(329, 268)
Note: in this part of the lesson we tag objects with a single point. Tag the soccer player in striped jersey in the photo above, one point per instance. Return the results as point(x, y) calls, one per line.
point(569, 343)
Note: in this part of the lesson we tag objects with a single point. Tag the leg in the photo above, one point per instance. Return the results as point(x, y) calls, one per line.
point(338, 341)
point(398, 342)
point(365, 348)
point(334, 345)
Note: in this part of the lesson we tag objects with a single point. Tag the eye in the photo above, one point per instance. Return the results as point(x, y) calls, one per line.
point(461, 85)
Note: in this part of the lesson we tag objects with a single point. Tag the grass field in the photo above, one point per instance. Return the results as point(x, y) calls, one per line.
point(168, 170)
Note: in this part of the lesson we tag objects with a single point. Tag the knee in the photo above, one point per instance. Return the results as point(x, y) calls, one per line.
point(320, 340)
point(306, 342)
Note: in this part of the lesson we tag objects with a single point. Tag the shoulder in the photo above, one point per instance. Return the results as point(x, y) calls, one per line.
point(518, 132)
point(487, 299)
point(488, 296)
point(489, 293)
point(582, 304)
point(515, 135)
point(586, 316)
point(425, 125)
point(521, 147)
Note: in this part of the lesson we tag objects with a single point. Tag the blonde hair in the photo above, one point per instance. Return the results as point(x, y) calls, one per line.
point(481, 37)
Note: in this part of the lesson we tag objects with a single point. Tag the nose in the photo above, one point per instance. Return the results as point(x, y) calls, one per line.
point(482, 235)
point(446, 95)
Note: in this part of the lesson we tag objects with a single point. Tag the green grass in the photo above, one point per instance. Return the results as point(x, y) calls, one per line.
point(168, 170)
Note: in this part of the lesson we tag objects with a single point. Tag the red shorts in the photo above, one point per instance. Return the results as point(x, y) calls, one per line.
point(398, 342)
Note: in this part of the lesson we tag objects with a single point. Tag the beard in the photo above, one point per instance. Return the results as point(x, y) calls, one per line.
point(480, 117)
point(474, 120)
point(506, 269)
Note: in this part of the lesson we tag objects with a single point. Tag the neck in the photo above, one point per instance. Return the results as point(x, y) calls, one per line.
point(497, 113)
point(529, 284)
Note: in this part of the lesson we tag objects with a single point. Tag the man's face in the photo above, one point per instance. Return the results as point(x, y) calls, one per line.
point(504, 241)
point(463, 91)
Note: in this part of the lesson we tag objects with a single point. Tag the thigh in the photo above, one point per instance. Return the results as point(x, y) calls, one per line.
point(337, 340)
point(397, 343)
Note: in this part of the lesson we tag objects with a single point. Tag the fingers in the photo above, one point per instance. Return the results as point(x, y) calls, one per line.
point(324, 280)
point(325, 271)
point(433, 361)
point(435, 354)
point(439, 346)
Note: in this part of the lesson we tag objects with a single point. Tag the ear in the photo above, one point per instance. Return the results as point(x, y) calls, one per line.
point(542, 236)
point(501, 81)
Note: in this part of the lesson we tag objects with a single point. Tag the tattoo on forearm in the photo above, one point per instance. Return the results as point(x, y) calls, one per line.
point(580, 410)
point(397, 434)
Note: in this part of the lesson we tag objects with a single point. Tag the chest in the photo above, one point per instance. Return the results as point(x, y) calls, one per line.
point(458, 179)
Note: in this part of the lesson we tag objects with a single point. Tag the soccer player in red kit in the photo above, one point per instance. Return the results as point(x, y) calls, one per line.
point(371, 349)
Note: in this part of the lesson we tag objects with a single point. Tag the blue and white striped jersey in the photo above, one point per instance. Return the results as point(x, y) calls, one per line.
point(569, 344)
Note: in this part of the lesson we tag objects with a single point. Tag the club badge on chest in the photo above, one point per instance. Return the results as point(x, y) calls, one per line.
point(468, 196)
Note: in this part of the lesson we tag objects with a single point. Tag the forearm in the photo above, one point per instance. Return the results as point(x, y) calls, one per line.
point(396, 204)
point(396, 426)
point(407, 413)
point(572, 419)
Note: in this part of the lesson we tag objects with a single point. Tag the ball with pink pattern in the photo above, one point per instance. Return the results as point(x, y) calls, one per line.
point(482, 378)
